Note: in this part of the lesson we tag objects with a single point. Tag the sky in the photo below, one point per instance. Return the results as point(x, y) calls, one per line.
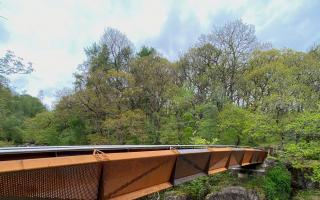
point(53, 33)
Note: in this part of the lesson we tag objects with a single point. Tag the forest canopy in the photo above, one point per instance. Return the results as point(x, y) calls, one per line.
point(228, 88)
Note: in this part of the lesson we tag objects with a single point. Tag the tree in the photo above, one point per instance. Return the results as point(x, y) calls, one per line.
point(119, 48)
point(103, 84)
point(27, 106)
point(200, 70)
point(237, 41)
point(41, 130)
point(11, 64)
point(153, 76)
point(280, 83)
point(146, 51)
point(127, 127)
point(14, 109)
point(106, 95)
point(305, 126)
point(233, 123)
point(178, 125)
point(315, 50)
point(225, 89)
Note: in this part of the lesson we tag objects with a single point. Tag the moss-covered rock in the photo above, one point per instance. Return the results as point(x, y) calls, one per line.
point(174, 195)
point(234, 193)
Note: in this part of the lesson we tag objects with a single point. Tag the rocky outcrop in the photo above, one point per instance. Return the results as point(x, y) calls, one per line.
point(234, 193)
point(269, 163)
point(301, 179)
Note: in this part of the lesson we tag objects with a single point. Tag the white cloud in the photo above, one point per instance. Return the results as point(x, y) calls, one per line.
point(52, 34)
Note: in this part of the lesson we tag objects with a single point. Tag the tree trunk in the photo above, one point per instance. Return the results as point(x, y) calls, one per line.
point(238, 140)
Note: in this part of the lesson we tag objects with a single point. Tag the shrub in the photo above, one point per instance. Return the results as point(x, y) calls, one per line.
point(277, 183)
point(307, 195)
point(316, 174)
point(304, 156)
point(197, 188)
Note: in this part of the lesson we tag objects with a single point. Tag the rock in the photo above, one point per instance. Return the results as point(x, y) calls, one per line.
point(172, 195)
point(243, 175)
point(234, 193)
point(270, 163)
point(301, 179)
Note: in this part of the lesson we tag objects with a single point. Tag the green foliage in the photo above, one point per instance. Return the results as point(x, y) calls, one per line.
point(27, 106)
point(206, 121)
point(170, 134)
point(48, 128)
point(200, 141)
point(10, 129)
point(198, 188)
point(233, 123)
point(316, 173)
point(303, 150)
point(127, 127)
point(97, 139)
point(201, 187)
point(41, 130)
point(12, 64)
point(305, 126)
point(304, 156)
point(14, 109)
point(215, 93)
point(146, 51)
point(6, 143)
point(277, 183)
point(72, 131)
point(178, 126)
point(225, 89)
point(307, 195)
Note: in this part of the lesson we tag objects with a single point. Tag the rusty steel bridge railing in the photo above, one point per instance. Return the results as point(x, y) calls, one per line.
point(112, 171)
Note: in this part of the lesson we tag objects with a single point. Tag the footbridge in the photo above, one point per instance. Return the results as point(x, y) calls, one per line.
point(112, 171)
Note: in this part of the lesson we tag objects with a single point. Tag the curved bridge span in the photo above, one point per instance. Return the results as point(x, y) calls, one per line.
point(111, 172)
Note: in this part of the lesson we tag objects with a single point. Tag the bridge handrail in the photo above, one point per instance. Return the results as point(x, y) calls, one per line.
point(114, 148)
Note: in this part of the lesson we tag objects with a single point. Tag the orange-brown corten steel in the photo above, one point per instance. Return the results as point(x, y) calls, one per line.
point(125, 175)
point(131, 175)
point(219, 160)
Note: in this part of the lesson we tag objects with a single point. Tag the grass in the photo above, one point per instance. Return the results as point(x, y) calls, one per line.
point(200, 187)
point(307, 195)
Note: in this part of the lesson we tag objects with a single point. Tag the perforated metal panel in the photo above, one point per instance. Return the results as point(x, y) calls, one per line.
point(117, 176)
point(70, 182)
point(137, 174)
